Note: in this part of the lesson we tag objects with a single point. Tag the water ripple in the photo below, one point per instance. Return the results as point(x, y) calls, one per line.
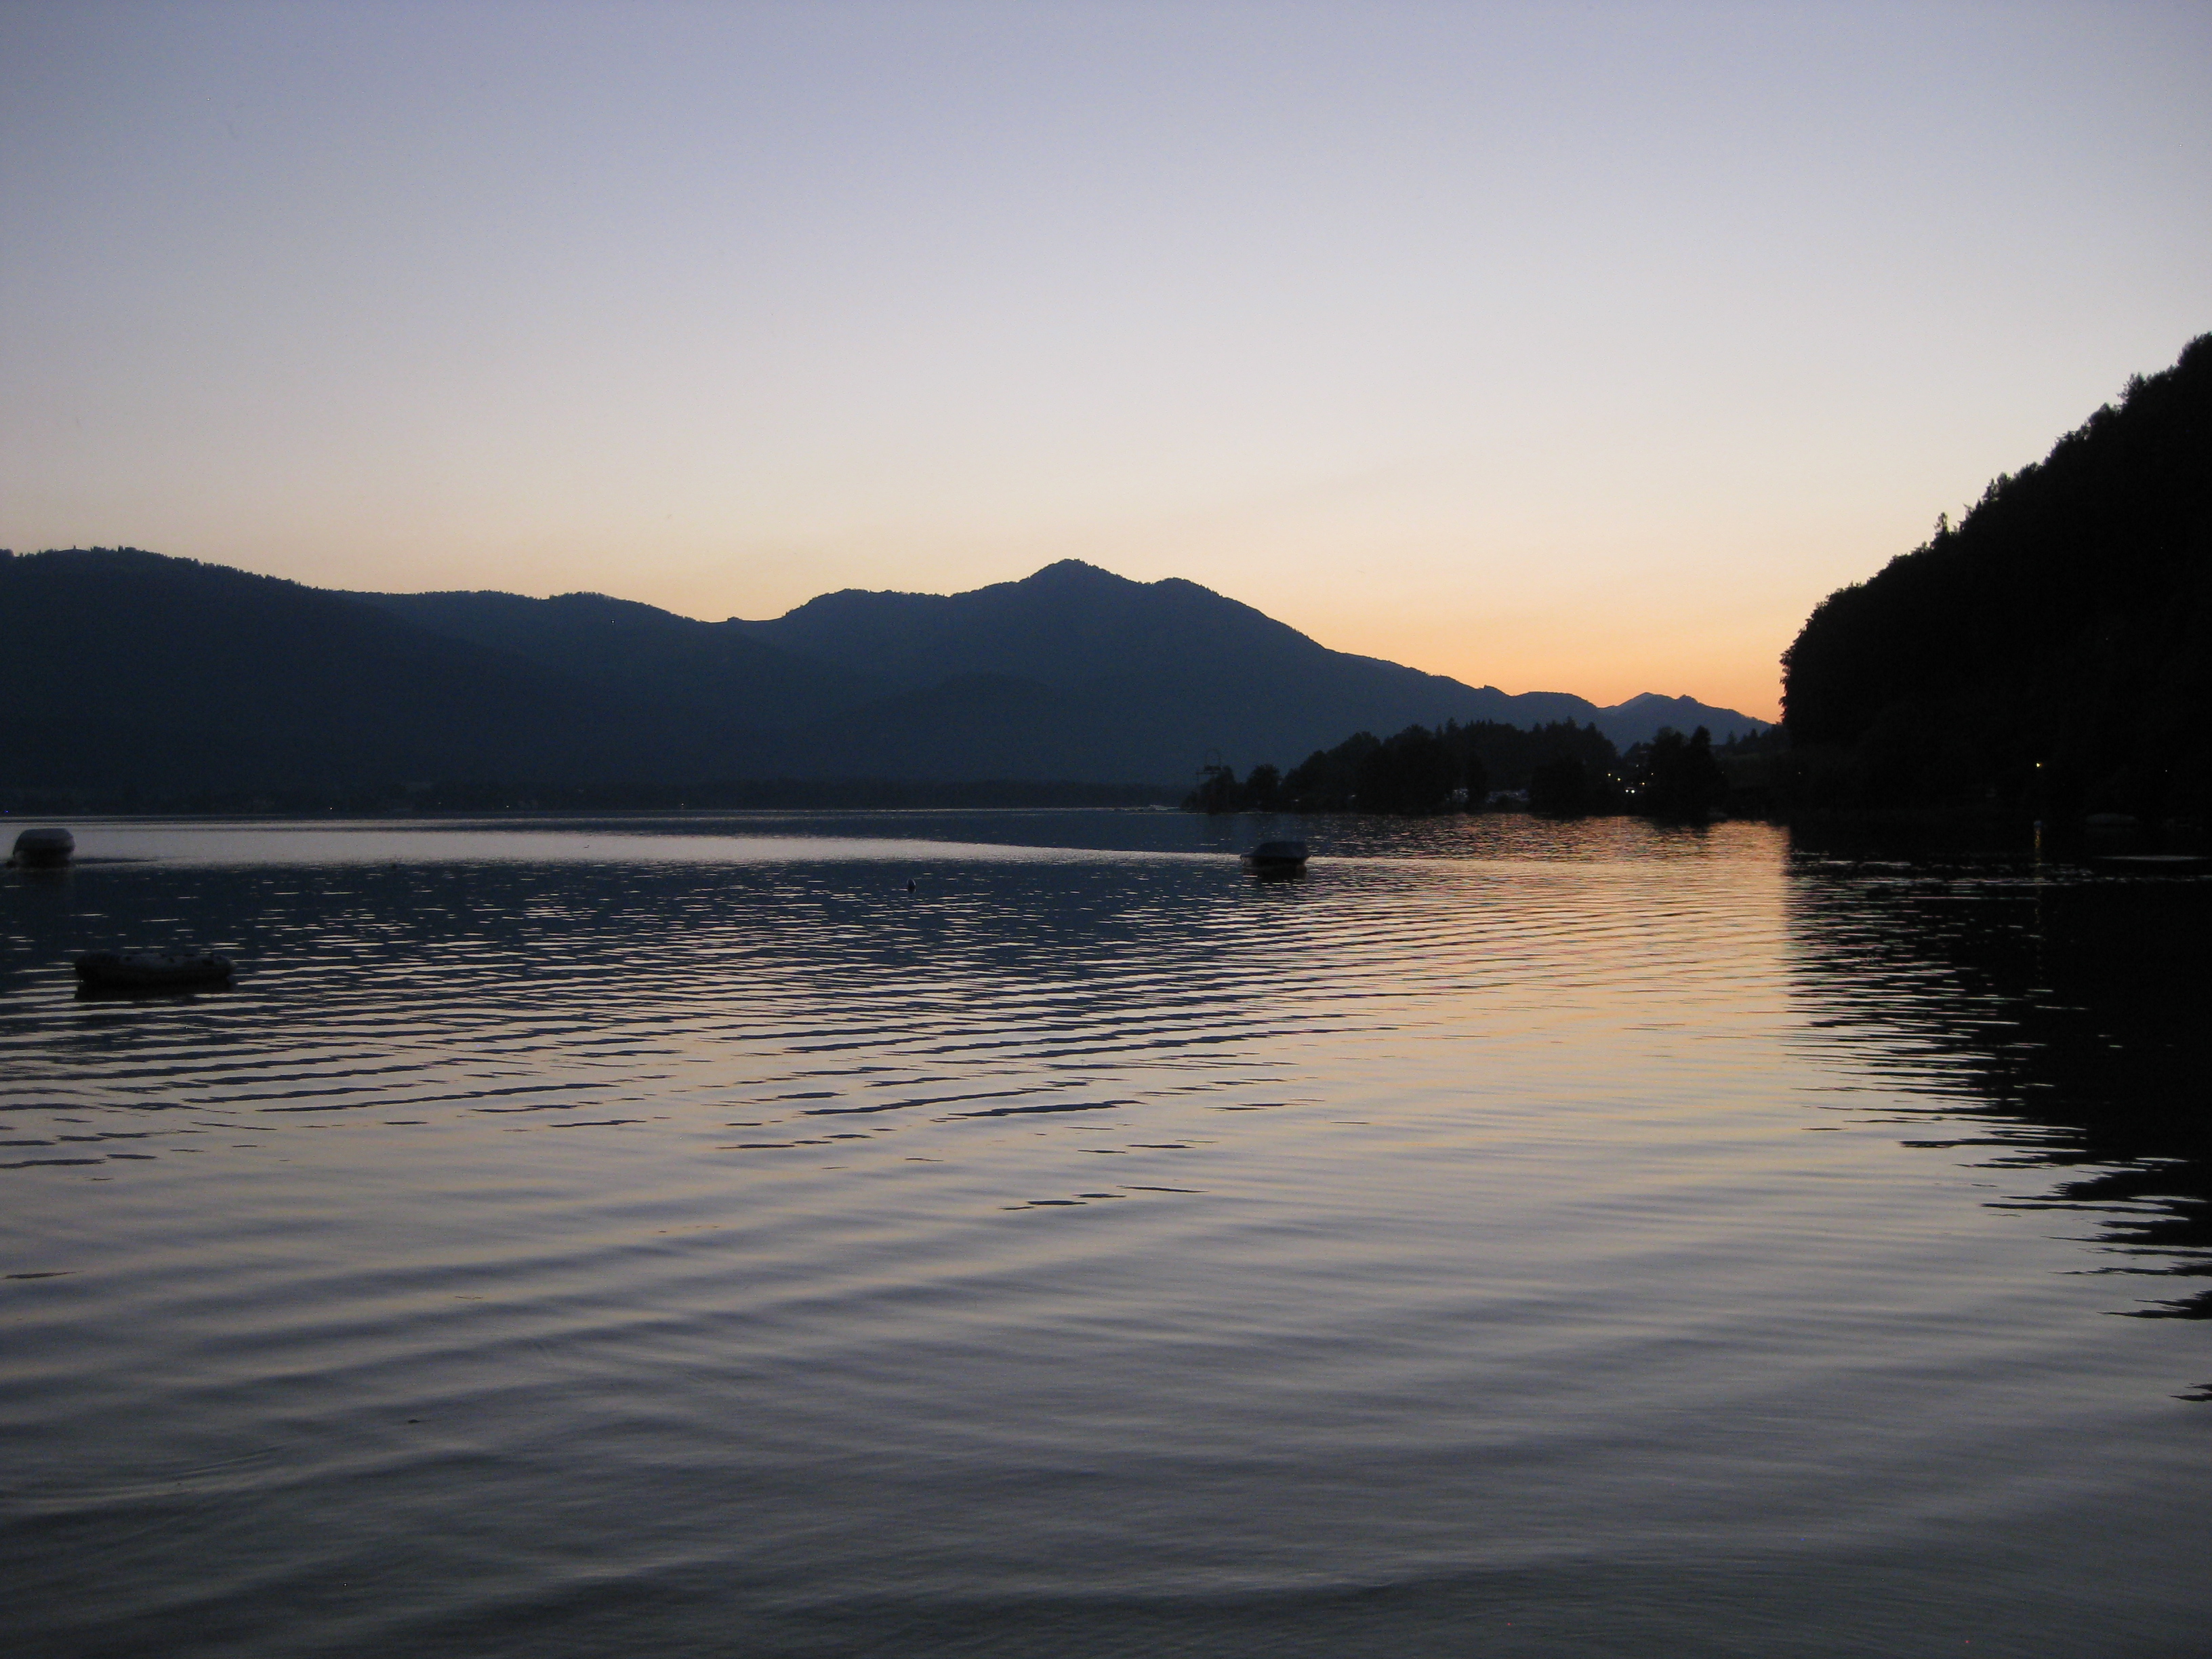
point(654, 1239)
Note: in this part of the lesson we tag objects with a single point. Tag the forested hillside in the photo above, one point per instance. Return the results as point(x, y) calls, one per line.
point(2050, 653)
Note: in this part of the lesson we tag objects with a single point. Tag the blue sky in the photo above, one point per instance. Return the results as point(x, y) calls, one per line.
point(1576, 349)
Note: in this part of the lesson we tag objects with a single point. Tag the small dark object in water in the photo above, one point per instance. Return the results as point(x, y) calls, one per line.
point(43, 849)
point(1276, 858)
point(145, 971)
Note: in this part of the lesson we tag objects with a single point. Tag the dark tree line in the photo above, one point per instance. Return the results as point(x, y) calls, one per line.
point(2049, 654)
point(1418, 771)
point(1562, 769)
point(1678, 777)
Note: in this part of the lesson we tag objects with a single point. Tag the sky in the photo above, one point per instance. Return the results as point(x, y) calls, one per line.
point(1550, 347)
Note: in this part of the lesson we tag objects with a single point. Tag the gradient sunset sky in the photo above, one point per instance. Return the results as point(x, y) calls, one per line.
point(1554, 347)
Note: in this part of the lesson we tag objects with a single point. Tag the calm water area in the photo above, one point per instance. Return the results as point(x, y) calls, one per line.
point(674, 1237)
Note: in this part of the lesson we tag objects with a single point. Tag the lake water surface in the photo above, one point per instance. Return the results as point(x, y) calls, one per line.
point(676, 1237)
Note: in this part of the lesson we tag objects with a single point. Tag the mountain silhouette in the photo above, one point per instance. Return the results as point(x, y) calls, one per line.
point(130, 668)
point(1645, 715)
point(126, 670)
point(1073, 668)
point(651, 655)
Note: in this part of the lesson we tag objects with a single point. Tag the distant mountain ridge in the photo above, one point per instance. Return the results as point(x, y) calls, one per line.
point(130, 668)
point(126, 670)
point(1141, 669)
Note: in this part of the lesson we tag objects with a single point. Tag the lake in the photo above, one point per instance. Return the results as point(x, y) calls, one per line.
point(676, 1236)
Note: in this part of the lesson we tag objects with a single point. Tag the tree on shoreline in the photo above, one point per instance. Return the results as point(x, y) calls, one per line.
point(1416, 771)
point(1677, 777)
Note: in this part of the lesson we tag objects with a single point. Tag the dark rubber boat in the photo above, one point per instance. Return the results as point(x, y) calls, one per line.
point(1276, 858)
point(43, 849)
point(151, 971)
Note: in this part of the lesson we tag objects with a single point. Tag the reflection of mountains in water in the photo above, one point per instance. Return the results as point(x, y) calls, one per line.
point(2062, 1006)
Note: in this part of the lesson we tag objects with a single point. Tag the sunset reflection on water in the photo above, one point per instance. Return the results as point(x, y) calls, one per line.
point(679, 1237)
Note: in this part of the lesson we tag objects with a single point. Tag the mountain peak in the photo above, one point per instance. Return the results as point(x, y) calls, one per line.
point(1073, 570)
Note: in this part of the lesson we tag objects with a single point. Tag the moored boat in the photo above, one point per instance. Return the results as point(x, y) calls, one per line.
point(1276, 858)
point(43, 849)
point(149, 970)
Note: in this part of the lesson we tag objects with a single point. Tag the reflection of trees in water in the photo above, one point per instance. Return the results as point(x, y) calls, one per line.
point(2065, 1010)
